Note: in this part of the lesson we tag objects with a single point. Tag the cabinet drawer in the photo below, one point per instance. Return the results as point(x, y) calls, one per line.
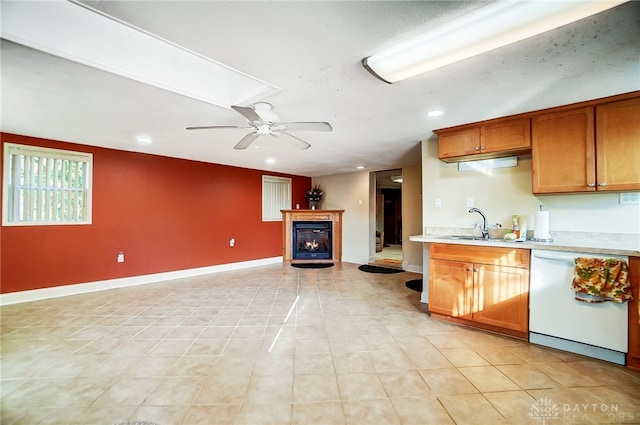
point(513, 257)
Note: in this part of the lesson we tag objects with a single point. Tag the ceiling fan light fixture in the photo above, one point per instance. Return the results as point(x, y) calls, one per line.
point(263, 122)
point(490, 27)
point(264, 111)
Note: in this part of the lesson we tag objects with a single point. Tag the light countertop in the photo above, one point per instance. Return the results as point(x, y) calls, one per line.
point(597, 243)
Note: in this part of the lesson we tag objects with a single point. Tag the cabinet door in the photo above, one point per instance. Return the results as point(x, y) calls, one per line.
point(450, 288)
point(618, 145)
point(506, 135)
point(501, 296)
point(563, 152)
point(459, 142)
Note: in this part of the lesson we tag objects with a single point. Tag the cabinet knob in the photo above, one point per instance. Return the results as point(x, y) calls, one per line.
point(477, 148)
point(602, 184)
point(591, 184)
point(481, 148)
point(468, 269)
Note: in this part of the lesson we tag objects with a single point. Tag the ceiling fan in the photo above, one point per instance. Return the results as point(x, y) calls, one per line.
point(263, 122)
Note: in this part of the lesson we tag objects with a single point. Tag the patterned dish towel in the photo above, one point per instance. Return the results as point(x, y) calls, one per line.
point(596, 280)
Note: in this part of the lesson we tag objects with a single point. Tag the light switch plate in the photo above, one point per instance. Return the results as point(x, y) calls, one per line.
point(469, 202)
point(630, 198)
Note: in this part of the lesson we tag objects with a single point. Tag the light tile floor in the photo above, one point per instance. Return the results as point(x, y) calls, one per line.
point(229, 348)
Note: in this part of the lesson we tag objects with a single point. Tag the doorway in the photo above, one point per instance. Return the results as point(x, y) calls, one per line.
point(388, 250)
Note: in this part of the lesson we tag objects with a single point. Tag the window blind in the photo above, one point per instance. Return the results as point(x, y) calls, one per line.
point(46, 186)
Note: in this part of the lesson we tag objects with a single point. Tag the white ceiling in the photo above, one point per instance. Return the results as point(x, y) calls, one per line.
point(313, 51)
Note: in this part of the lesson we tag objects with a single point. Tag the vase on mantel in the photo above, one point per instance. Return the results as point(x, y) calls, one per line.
point(314, 205)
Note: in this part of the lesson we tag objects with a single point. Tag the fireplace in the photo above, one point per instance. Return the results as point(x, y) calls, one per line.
point(329, 247)
point(312, 240)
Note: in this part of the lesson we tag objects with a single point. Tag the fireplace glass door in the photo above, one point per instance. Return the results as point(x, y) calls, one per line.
point(312, 240)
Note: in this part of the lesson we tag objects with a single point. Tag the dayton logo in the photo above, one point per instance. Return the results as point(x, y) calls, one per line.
point(544, 409)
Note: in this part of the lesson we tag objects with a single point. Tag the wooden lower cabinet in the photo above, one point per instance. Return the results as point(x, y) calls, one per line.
point(485, 287)
point(501, 297)
point(633, 356)
point(452, 281)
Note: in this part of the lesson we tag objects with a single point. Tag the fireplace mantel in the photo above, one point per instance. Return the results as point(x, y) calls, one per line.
point(289, 216)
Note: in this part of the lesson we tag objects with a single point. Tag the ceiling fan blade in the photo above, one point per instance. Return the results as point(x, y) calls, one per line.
point(308, 126)
point(207, 127)
point(246, 141)
point(289, 138)
point(248, 113)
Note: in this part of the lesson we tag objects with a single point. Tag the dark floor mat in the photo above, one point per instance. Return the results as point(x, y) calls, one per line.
point(376, 269)
point(415, 284)
point(312, 265)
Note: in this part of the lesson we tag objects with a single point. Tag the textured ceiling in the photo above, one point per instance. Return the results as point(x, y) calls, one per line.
point(313, 51)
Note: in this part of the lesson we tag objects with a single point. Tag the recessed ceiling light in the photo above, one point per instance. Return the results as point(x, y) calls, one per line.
point(435, 113)
point(360, 167)
point(144, 140)
point(270, 161)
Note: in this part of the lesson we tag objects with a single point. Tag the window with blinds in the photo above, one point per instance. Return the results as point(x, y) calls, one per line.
point(276, 196)
point(46, 186)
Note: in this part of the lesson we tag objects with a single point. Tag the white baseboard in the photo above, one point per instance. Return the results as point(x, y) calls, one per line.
point(411, 268)
point(83, 288)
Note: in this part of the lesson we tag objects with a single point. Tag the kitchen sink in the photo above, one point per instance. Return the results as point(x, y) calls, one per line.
point(469, 238)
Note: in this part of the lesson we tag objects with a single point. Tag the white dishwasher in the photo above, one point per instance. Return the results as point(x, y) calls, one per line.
point(558, 320)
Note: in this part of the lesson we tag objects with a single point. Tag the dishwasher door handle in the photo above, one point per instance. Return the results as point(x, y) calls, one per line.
point(549, 255)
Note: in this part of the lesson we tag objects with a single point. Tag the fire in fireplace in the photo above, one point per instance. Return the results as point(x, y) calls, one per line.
point(312, 240)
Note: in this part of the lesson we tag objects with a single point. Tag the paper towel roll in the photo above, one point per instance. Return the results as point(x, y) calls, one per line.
point(541, 230)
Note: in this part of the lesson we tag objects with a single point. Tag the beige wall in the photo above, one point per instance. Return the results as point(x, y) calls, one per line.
point(345, 191)
point(411, 217)
point(507, 191)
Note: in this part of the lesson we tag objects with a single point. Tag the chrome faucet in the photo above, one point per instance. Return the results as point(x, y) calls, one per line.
point(485, 228)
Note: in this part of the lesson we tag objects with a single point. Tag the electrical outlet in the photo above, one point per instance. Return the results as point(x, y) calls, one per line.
point(630, 198)
point(232, 242)
point(438, 203)
point(469, 202)
point(120, 257)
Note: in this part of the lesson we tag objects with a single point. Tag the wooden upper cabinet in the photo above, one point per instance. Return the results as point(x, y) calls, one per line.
point(588, 149)
point(460, 142)
point(563, 151)
point(492, 139)
point(618, 145)
point(506, 135)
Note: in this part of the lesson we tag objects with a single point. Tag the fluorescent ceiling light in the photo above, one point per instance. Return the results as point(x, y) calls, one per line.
point(497, 25)
point(488, 164)
point(81, 34)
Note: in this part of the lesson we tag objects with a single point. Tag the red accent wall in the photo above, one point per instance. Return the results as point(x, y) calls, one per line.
point(165, 214)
